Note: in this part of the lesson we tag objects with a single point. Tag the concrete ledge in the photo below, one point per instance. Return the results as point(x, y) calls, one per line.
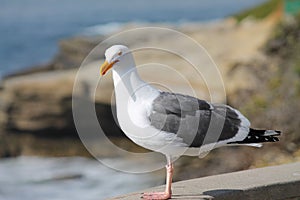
point(270, 183)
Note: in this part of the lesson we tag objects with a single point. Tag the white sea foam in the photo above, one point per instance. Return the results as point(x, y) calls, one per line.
point(103, 29)
point(75, 178)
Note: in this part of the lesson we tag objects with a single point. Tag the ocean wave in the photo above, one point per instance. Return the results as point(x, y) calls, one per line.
point(103, 29)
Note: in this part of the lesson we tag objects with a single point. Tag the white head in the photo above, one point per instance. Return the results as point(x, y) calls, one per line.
point(117, 56)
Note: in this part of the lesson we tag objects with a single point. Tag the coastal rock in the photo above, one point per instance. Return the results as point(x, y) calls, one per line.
point(41, 102)
point(73, 51)
point(35, 102)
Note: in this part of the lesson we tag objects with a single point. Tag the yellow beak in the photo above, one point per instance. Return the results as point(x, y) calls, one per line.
point(106, 66)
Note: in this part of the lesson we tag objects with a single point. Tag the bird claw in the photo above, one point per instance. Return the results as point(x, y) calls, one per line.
point(156, 196)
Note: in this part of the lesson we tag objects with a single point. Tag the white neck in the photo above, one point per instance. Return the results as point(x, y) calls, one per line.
point(133, 95)
point(127, 83)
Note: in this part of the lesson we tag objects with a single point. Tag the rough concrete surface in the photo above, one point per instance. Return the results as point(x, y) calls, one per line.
point(274, 183)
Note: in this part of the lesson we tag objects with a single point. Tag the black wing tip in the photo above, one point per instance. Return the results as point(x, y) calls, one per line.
point(264, 132)
point(276, 133)
point(260, 139)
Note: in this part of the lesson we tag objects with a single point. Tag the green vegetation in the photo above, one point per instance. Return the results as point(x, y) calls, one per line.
point(275, 83)
point(259, 12)
point(257, 105)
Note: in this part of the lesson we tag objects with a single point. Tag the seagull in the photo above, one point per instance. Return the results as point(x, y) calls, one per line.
point(173, 124)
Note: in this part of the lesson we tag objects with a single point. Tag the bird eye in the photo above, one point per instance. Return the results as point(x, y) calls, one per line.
point(120, 53)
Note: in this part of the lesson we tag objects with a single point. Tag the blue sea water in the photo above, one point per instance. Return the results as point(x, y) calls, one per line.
point(30, 29)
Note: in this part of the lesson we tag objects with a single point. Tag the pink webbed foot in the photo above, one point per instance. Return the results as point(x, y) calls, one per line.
point(168, 192)
point(156, 196)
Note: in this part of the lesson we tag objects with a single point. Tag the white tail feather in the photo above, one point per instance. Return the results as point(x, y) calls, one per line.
point(257, 145)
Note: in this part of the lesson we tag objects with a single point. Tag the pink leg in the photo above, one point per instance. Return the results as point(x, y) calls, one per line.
point(168, 192)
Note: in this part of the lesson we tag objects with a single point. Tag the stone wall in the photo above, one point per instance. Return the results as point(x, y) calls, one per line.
point(270, 183)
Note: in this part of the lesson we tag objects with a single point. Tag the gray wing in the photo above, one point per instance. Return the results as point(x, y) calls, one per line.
point(193, 119)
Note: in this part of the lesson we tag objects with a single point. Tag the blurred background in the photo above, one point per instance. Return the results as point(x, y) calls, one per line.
point(255, 44)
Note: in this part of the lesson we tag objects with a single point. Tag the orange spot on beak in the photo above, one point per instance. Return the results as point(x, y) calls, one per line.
point(106, 66)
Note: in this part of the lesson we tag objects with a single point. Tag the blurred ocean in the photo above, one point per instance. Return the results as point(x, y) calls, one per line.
point(33, 178)
point(30, 29)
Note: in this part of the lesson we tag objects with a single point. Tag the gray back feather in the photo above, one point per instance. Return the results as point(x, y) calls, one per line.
point(191, 118)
